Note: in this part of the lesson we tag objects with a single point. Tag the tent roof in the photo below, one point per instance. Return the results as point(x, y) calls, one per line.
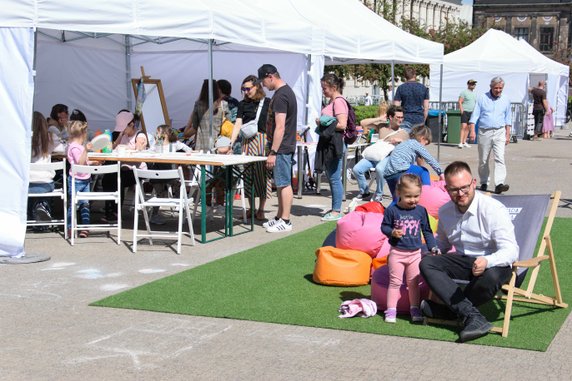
point(344, 30)
point(495, 51)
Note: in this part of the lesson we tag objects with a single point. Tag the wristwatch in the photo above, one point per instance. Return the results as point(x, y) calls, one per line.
point(271, 152)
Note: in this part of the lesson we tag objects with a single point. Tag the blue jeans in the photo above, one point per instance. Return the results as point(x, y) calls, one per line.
point(283, 170)
point(365, 165)
point(392, 180)
point(334, 173)
point(35, 201)
point(80, 186)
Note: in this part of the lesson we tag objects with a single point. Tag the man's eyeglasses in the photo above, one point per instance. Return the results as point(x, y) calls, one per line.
point(464, 189)
point(245, 89)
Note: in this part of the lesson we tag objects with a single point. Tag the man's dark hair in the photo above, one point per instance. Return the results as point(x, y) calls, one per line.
point(457, 167)
point(224, 86)
point(393, 109)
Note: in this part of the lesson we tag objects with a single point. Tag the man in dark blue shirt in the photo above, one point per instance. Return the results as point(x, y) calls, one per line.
point(414, 98)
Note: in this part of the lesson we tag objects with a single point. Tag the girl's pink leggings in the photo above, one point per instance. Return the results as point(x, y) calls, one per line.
point(403, 261)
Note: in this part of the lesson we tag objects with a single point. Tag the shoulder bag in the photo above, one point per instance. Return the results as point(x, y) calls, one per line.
point(249, 129)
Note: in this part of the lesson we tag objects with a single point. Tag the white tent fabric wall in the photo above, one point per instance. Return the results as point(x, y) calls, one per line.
point(76, 66)
point(499, 54)
point(16, 92)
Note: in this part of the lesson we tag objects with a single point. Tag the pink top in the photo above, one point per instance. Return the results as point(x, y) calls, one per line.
point(129, 141)
point(340, 106)
point(75, 150)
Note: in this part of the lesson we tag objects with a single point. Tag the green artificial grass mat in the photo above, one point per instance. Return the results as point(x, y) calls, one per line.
point(273, 283)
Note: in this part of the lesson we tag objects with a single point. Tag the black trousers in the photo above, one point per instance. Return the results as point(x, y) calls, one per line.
point(440, 270)
point(538, 121)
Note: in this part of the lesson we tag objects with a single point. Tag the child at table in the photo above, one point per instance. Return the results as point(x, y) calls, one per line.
point(168, 140)
point(77, 154)
point(403, 224)
point(403, 158)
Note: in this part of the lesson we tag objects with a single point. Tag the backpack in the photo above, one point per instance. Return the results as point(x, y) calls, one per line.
point(350, 134)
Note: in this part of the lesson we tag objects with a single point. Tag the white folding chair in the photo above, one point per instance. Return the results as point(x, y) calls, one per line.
point(60, 193)
point(180, 205)
point(77, 197)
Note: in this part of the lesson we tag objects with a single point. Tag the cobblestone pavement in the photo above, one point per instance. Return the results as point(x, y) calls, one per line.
point(48, 331)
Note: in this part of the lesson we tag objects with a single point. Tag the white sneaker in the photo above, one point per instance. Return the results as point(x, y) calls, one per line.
point(461, 145)
point(269, 223)
point(467, 145)
point(280, 227)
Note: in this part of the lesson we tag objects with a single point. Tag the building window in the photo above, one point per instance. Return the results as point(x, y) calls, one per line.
point(521, 34)
point(546, 39)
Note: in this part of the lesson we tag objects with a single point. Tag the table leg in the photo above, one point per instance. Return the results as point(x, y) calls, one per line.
point(301, 164)
point(203, 192)
point(229, 201)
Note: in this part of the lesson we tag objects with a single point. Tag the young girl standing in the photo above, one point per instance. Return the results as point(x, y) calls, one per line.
point(403, 223)
point(77, 154)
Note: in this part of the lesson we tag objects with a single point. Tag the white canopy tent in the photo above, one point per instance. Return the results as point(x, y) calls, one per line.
point(498, 54)
point(172, 40)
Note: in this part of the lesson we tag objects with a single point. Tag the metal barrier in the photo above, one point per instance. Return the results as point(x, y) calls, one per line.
point(519, 115)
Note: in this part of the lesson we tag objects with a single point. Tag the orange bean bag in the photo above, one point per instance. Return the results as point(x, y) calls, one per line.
point(341, 267)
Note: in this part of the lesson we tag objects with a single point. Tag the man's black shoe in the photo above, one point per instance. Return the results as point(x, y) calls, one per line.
point(483, 188)
point(476, 325)
point(501, 188)
point(434, 310)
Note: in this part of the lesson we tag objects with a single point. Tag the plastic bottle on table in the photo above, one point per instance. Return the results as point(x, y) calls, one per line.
point(109, 147)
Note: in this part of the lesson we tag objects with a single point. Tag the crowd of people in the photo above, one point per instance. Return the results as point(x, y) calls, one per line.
point(274, 136)
point(477, 227)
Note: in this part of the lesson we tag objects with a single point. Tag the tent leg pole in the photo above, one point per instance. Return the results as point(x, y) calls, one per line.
point(392, 81)
point(128, 71)
point(440, 118)
point(211, 95)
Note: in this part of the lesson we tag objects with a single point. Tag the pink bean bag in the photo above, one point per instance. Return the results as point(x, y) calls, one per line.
point(433, 197)
point(360, 231)
point(379, 284)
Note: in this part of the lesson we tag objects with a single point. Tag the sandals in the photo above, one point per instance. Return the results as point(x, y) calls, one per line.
point(83, 234)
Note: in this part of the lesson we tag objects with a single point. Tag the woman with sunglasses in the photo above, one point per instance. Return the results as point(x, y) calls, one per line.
point(253, 98)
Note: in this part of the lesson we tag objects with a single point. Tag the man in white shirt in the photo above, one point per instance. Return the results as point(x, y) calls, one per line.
point(481, 230)
point(368, 99)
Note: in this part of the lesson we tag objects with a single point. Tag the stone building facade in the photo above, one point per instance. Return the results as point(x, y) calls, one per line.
point(432, 14)
point(543, 24)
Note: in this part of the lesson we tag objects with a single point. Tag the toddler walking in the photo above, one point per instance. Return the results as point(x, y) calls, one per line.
point(77, 154)
point(403, 224)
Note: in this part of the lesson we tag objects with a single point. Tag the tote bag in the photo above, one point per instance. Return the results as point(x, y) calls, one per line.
point(379, 150)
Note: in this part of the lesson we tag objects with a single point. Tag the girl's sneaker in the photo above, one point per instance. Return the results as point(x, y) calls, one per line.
point(390, 315)
point(416, 315)
point(332, 216)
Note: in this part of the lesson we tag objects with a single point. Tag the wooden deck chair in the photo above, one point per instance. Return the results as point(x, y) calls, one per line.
point(528, 216)
point(527, 212)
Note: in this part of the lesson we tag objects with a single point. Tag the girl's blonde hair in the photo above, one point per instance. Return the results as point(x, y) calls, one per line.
point(382, 110)
point(408, 180)
point(421, 132)
point(77, 129)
